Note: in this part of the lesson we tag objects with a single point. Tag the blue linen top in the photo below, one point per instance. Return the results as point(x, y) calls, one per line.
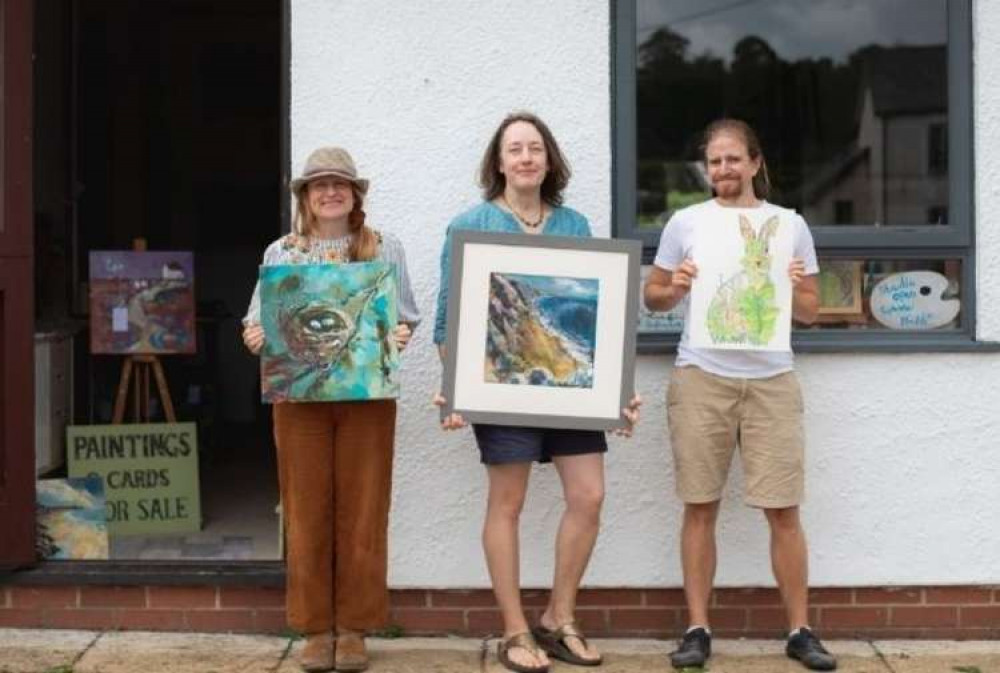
point(488, 216)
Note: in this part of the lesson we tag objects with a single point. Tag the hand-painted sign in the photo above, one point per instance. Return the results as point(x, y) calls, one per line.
point(913, 301)
point(150, 474)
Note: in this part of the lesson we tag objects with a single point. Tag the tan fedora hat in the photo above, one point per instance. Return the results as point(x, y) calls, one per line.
point(330, 161)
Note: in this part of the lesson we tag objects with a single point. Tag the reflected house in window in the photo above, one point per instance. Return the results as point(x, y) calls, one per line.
point(896, 170)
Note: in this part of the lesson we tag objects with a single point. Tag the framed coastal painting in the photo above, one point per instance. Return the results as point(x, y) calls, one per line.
point(541, 330)
point(742, 296)
point(328, 332)
point(141, 302)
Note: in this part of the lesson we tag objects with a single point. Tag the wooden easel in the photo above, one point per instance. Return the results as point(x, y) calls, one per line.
point(140, 366)
point(137, 367)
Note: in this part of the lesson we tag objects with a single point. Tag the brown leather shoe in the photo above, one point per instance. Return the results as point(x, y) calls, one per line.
point(317, 655)
point(351, 655)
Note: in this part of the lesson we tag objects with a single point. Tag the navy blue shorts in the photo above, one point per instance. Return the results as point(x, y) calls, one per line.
point(499, 444)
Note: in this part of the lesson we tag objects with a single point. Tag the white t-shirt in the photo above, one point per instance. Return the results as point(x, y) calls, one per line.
point(675, 245)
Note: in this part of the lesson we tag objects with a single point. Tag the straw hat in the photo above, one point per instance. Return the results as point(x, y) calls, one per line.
point(330, 161)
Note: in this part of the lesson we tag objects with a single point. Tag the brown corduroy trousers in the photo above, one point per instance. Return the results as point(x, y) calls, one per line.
point(335, 473)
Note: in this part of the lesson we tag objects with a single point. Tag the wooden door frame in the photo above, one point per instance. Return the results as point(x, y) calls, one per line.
point(17, 426)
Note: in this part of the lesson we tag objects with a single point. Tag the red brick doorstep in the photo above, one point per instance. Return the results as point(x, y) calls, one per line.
point(865, 612)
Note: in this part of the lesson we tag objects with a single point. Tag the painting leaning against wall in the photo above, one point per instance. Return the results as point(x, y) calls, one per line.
point(72, 522)
point(328, 332)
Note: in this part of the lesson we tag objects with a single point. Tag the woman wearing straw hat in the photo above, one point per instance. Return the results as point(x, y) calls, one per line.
point(523, 174)
point(336, 560)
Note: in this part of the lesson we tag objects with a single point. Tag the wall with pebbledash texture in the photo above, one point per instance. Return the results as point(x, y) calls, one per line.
point(902, 460)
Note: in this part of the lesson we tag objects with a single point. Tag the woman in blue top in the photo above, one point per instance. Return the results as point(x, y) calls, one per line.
point(523, 174)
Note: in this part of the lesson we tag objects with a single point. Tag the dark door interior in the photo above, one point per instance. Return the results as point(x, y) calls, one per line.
point(162, 121)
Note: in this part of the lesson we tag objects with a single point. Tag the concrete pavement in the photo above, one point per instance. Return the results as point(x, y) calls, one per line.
point(56, 651)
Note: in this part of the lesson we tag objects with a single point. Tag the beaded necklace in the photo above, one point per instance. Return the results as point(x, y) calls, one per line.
point(520, 218)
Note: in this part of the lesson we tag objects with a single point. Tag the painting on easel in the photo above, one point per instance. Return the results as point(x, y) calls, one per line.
point(141, 302)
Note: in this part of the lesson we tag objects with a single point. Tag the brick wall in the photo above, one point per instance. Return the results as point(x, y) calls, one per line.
point(967, 612)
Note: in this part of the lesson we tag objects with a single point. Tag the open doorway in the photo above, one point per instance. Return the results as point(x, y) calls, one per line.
point(162, 121)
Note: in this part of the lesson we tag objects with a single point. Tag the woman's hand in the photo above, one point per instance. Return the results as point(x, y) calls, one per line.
point(631, 414)
point(796, 271)
point(402, 335)
point(451, 421)
point(253, 338)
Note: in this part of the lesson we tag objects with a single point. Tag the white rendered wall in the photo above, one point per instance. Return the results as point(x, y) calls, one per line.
point(904, 469)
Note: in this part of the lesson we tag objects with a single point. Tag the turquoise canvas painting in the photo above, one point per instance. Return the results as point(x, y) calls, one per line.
point(328, 332)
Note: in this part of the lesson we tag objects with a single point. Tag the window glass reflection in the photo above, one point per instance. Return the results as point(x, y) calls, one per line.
point(849, 98)
point(900, 295)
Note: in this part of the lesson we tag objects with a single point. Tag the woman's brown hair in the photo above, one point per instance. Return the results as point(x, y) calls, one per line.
point(556, 178)
point(364, 241)
point(761, 181)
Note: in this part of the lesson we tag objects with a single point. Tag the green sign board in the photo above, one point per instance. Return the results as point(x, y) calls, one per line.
point(150, 474)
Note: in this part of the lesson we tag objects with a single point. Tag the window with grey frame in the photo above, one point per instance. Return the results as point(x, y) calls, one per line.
point(864, 110)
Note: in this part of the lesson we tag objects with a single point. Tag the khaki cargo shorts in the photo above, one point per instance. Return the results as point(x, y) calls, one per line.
point(710, 415)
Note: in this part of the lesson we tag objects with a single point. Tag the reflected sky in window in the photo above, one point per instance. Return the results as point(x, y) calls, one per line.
point(796, 29)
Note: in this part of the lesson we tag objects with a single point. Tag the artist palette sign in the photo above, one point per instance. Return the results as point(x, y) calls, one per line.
point(914, 300)
point(150, 474)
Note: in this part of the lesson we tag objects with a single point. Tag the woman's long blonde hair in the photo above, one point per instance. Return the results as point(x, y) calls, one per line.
point(364, 240)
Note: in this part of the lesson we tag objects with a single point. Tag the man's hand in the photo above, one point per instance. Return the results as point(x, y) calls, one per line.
point(682, 276)
point(796, 271)
point(805, 292)
point(665, 289)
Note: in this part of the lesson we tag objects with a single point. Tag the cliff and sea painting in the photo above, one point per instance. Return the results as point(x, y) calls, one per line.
point(542, 330)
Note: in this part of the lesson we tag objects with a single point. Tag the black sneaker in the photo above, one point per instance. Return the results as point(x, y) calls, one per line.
point(694, 649)
point(805, 647)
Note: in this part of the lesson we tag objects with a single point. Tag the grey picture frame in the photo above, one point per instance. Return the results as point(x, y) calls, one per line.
point(619, 318)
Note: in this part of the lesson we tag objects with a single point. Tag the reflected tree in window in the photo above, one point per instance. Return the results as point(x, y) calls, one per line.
point(865, 125)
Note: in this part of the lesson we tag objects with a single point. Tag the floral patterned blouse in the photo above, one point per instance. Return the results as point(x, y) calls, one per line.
point(300, 249)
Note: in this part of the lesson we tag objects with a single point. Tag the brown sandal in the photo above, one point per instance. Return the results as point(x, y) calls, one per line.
point(553, 641)
point(527, 643)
